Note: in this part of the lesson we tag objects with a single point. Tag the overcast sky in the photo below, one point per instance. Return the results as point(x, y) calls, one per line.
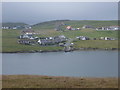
point(32, 13)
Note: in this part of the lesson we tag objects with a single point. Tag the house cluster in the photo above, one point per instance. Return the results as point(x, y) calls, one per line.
point(114, 28)
point(84, 27)
point(28, 34)
point(71, 28)
point(28, 27)
point(17, 27)
point(26, 41)
point(87, 38)
point(29, 39)
point(106, 38)
point(29, 31)
point(57, 40)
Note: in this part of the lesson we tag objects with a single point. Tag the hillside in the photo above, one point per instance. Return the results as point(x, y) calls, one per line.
point(73, 23)
point(49, 24)
point(47, 29)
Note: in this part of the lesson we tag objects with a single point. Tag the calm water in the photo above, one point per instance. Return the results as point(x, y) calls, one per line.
point(77, 63)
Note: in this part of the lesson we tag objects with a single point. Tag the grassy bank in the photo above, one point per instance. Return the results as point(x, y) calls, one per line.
point(35, 81)
point(98, 44)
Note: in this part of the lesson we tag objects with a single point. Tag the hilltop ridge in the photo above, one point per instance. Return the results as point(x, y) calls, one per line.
point(75, 23)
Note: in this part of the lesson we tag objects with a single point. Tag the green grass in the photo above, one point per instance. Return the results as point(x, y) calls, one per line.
point(100, 44)
point(36, 81)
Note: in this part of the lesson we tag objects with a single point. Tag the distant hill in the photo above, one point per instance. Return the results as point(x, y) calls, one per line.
point(49, 24)
point(73, 23)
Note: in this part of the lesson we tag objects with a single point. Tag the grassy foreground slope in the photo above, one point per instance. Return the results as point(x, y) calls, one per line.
point(35, 81)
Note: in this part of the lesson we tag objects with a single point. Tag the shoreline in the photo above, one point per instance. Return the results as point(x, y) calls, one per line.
point(75, 49)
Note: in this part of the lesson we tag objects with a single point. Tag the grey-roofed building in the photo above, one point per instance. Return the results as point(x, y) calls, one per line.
point(87, 26)
point(52, 40)
point(26, 36)
point(83, 38)
point(26, 42)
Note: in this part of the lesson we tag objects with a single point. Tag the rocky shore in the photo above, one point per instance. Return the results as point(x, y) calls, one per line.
point(75, 49)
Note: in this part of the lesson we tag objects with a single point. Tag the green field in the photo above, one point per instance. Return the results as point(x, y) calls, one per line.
point(98, 44)
point(9, 37)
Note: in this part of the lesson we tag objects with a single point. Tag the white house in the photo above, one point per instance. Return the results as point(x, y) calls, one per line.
point(39, 41)
point(5, 27)
point(14, 28)
point(50, 38)
point(83, 38)
point(106, 38)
